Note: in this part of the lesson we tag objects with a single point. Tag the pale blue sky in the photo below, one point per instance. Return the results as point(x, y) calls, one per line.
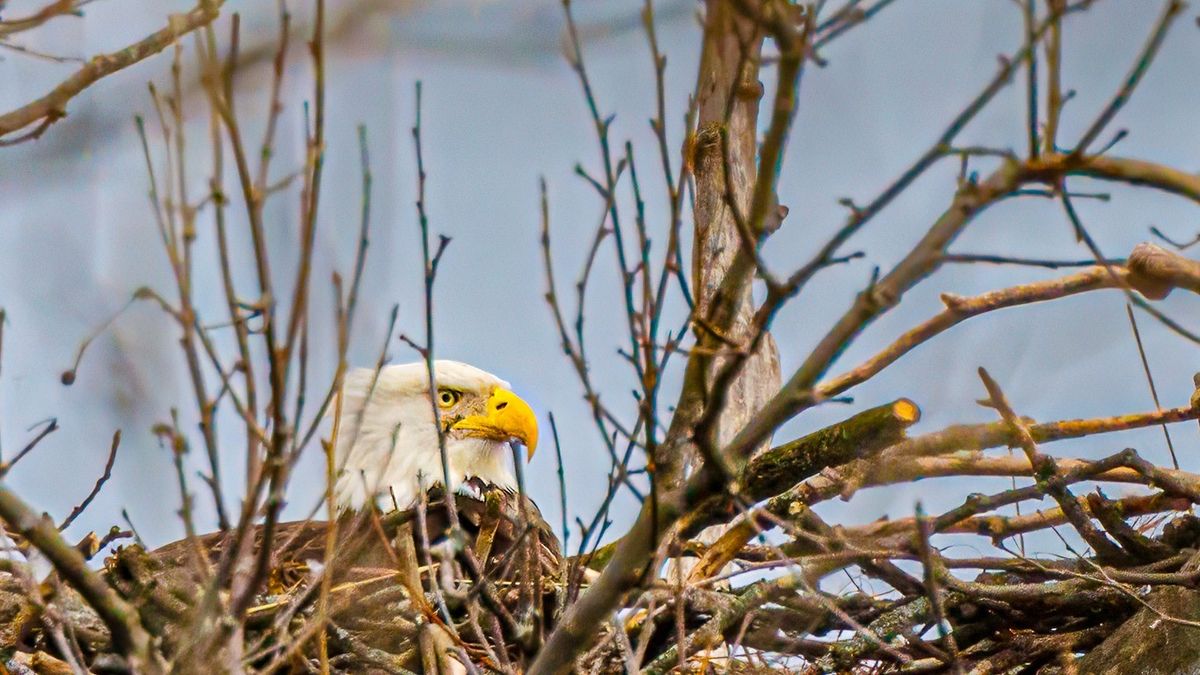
point(501, 109)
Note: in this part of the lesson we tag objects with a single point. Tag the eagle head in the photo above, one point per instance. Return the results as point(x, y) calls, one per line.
point(387, 441)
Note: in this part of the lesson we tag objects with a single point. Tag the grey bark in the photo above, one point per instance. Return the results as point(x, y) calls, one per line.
point(1150, 644)
point(729, 65)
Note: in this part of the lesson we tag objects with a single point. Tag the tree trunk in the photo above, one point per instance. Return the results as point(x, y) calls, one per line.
point(729, 65)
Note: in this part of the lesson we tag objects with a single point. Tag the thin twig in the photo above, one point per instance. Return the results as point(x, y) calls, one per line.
point(1137, 337)
point(108, 466)
point(51, 425)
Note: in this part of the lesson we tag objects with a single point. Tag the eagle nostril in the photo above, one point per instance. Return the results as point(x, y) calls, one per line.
point(502, 405)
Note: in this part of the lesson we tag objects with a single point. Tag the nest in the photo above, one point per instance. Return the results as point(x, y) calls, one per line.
point(480, 586)
point(367, 592)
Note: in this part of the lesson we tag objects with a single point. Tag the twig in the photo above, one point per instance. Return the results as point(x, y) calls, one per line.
point(51, 427)
point(562, 485)
point(1047, 472)
point(1054, 96)
point(1014, 260)
point(50, 10)
point(931, 562)
point(108, 466)
point(1137, 336)
point(431, 258)
point(1171, 10)
point(1029, 13)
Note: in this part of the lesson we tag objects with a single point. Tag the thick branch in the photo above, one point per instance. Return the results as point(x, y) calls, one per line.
point(773, 472)
point(780, 468)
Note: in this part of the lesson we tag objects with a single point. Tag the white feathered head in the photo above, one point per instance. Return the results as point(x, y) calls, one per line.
point(387, 441)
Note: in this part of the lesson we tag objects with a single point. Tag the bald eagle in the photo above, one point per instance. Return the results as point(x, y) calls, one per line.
point(389, 452)
point(387, 442)
point(390, 505)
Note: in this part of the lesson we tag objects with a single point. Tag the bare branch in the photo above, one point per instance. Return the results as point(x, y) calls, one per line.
point(53, 106)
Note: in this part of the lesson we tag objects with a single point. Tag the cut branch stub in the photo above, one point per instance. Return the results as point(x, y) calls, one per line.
point(779, 469)
point(785, 465)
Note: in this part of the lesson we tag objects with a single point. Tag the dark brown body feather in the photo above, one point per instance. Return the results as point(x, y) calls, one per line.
point(363, 541)
point(504, 571)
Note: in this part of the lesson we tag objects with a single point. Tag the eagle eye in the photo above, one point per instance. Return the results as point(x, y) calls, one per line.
point(447, 398)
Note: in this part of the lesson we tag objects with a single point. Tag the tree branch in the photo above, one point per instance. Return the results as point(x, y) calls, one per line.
point(53, 106)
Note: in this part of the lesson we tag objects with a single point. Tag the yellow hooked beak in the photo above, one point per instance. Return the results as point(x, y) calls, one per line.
point(506, 417)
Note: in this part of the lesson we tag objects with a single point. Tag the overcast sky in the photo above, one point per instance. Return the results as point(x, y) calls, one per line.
point(502, 108)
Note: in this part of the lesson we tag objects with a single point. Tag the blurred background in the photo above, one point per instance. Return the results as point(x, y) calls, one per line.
point(502, 108)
